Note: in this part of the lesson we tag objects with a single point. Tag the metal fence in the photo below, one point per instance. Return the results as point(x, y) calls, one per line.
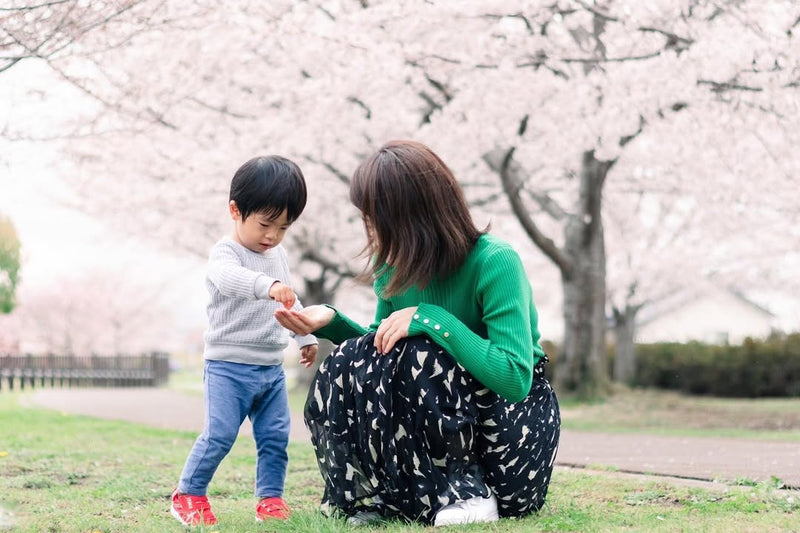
point(144, 370)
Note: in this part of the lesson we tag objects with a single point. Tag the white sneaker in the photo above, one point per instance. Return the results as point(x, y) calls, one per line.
point(468, 511)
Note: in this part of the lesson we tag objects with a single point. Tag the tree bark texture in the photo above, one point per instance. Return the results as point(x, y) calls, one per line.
point(581, 363)
point(625, 348)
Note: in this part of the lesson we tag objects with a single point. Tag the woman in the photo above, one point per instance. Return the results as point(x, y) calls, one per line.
point(439, 411)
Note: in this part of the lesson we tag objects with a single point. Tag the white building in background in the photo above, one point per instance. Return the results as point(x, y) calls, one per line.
point(707, 313)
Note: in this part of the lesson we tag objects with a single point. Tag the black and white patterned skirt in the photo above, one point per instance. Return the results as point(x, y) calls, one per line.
point(409, 432)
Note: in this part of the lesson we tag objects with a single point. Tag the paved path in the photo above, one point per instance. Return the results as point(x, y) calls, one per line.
point(690, 458)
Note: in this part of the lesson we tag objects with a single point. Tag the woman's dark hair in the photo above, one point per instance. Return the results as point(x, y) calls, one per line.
point(417, 220)
point(268, 185)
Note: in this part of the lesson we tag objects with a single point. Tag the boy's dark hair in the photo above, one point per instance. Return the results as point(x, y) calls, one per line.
point(417, 220)
point(268, 185)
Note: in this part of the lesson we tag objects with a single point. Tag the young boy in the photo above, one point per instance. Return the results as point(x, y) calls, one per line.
point(247, 280)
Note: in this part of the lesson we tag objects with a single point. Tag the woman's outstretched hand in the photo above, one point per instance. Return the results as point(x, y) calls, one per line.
point(393, 328)
point(306, 321)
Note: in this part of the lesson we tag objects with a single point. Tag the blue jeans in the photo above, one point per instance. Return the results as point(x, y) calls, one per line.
point(234, 391)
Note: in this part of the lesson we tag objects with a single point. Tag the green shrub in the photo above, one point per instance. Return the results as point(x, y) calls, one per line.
point(551, 350)
point(756, 368)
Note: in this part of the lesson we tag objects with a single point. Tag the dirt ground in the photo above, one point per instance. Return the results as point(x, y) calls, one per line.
point(685, 459)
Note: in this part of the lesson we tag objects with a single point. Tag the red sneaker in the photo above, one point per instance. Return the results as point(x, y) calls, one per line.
point(192, 510)
point(272, 508)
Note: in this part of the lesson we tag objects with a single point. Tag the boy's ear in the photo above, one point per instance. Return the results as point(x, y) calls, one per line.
point(234, 210)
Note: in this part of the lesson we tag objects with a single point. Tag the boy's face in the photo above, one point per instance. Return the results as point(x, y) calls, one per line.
point(258, 232)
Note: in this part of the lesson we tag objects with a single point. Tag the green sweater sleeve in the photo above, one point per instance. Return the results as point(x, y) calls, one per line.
point(503, 362)
point(341, 327)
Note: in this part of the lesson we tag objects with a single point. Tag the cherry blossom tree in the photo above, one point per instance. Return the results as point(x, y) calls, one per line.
point(733, 225)
point(99, 312)
point(66, 33)
point(618, 71)
point(622, 136)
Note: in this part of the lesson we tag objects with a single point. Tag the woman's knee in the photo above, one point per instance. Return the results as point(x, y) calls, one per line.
point(417, 353)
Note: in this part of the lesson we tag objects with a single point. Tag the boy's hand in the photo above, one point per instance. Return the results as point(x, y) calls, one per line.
point(283, 294)
point(308, 354)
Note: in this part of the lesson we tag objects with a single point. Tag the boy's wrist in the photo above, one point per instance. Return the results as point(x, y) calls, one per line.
point(262, 286)
point(306, 340)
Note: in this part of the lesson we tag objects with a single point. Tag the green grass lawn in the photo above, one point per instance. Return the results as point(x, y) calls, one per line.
point(61, 472)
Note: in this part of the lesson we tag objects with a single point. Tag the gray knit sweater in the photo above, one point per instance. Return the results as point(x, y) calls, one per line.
point(241, 323)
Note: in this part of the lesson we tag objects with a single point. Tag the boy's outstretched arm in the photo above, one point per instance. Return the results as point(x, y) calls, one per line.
point(233, 280)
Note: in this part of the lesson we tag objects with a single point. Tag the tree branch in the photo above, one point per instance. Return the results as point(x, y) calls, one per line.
point(222, 110)
point(509, 172)
point(628, 138)
point(344, 178)
point(723, 86)
point(591, 60)
point(37, 6)
point(360, 103)
point(312, 254)
point(483, 202)
point(432, 107)
point(11, 62)
point(596, 12)
point(414, 63)
point(674, 41)
point(441, 87)
point(326, 12)
point(518, 15)
point(539, 59)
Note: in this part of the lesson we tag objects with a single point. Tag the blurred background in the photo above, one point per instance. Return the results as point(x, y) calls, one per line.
point(641, 156)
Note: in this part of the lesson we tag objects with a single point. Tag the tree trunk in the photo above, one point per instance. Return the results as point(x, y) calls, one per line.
point(625, 348)
point(581, 364)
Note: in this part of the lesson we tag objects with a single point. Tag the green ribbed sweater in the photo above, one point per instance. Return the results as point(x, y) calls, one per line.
point(483, 314)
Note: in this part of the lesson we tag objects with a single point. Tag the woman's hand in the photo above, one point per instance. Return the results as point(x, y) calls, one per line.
point(393, 328)
point(306, 321)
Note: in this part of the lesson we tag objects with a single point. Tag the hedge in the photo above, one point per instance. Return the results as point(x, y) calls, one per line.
point(756, 368)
